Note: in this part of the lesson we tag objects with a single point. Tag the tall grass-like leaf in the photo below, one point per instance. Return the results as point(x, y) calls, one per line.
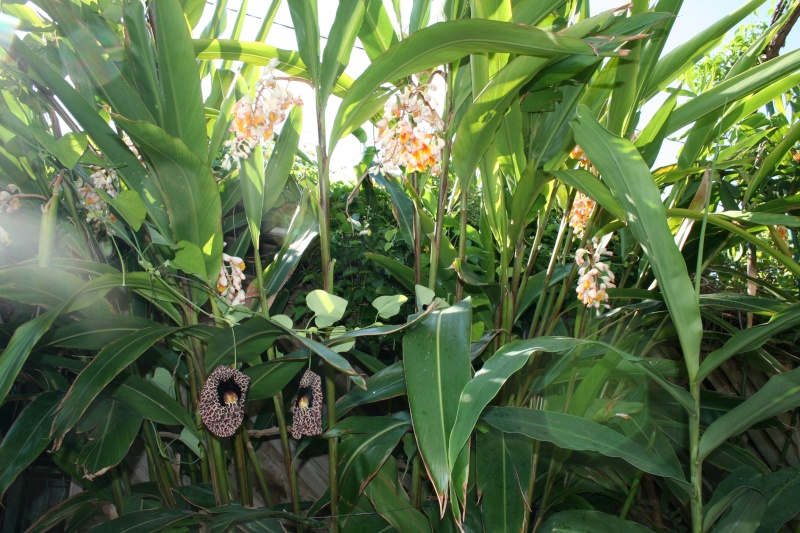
point(446, 42)
point(585, 521)
point(387, 383)
point(630, 182)
point(280, 162)
point(779, 394)
point(150, 520)
point(191, 194)
point(152, 403)
point(437, 368)
point(179, 77)
point(289, 61)
point(268, 379)
point(503, 468)
point(99, 373)
point(376, 34)
point(341, 38)
point(750, 339)
point(142, 58)
point(575, 433)
point(482, 388)
point(19, 347)
point(109, 441)
point(365, 445)
point(672, 65)
point(306, 28)
point(27, 438)
point(391, 501)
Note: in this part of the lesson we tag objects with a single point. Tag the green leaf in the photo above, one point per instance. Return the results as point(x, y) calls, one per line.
point(267, 379)
point(387, 383)
point(74, 505)
point(482, 388)
point(437, 368)
point(189, 258)
point(108, 442)
point(162, 519)
point(341, 38)
point(366, 443)
point(306, 30)
point(179, 77)
point(446, 42)
point(779, 394)
point(150, 402)
point(327, 308)
point(261, 54)
point(19, 347)
point(191, 194)
point(632, 185)
point(502, 462)
point(589, 522)
point(68, 149)
point(129, 205)
point(104, 367)
point(280, 163)
point(246, 341)
point(389, 306)
point(591, 186)
point(27, 437)
point(575, 433)
point(391, 501)
point(750, 339)
point(377, 33)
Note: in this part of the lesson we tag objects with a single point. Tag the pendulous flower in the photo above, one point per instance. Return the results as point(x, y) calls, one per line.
point(595, 275)
point(579, 215)
point(229, 281)
point(307, 407)
point(222, 401)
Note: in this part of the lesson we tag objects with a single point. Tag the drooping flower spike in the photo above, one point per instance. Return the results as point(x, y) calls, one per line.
point(222, 401)
point(307, 407)
point(595, 275)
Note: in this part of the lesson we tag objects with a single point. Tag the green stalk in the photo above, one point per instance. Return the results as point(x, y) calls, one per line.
point(416, 480)
point(417, 234)
point(531, 485)
point(695, 463)
point(256, 466)
point(219, 474)
point(462, 235)
point(117, 487)
point(277, 401)
point(240, 465)
point(443, 184)
point(637, 478)
point(330, 398)
point(157, 463)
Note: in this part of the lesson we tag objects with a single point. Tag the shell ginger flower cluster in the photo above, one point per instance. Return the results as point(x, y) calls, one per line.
point(229, 282)
point(255, 119)
point(595, 275)
point(409, 133)
point(582, 208)
point(102, 179)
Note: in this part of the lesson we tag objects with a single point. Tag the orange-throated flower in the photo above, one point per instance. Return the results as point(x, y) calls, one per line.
point(595, 275)
point(222, 401)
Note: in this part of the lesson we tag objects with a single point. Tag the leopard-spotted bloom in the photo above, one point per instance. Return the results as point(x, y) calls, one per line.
point(307, 407)
point(222, 401)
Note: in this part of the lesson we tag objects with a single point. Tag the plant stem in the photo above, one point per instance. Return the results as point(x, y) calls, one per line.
point(330, 398)
point(240, 464)
point(256, 466)
point(696, 464)
point(277, 401)
point(157, 463)
point(417, 234)
point(443, 185)
point(416, 480)
point(462, 234)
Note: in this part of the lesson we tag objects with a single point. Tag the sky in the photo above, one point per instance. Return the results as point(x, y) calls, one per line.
point(695, 15)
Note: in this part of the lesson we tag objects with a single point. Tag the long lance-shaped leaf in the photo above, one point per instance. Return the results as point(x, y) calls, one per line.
point(306, 28)
point(575, 433)
point(377, 33)
point(151, 402)
point(773, 158)
point(191, 195)
point(630, 182)
point(750, 339)
point(280, 162)
point(341, 38)
point(161, 519)
point(584, 521)
point(482, 388)
point(261, 54)
point(727, 92)
point(19, 347)
point(672, 65)
point(107, 140)
point(437, 368)
point(179, 77)
point(446, 42)
point(104, 367)
point(779, 394)
point(109, 441)
point(387, 383)
point(27, 438)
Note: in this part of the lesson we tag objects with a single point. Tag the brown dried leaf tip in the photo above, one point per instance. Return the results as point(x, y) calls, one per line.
point(307, 407)
point(222, 401)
